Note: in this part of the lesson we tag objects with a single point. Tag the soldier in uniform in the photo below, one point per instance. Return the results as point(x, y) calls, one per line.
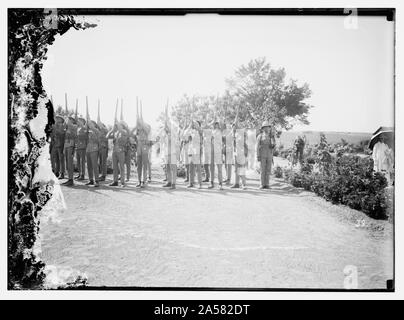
point(69, 146)
point(264, 151)
point(81, 147)
point(143, 142)
point(240, 156)
point(207, 152)
point(92, 153)
point(184, 153)
point(194, 151)
point(172, 153)
point(216, 155)
point(120, 139)
point(103, 150)
point(51, 149)
point(228, 149)
point(103, 146)
point(142, 156)
point(58, 134)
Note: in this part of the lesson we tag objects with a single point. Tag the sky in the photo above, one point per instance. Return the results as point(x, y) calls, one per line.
point(350, 71)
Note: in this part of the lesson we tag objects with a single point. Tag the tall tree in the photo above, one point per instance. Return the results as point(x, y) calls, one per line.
point(264, 94)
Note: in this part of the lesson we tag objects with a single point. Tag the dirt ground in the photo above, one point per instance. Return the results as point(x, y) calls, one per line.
point(153, 237)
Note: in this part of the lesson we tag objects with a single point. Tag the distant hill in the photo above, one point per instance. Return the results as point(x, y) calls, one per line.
point(287, 138)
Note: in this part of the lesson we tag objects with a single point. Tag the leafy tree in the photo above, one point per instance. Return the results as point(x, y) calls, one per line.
point(264, 94)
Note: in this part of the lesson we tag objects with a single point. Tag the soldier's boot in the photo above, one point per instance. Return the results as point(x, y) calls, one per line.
point(139, 185)
point(68, 183)
point(235, 186)
point(200, 186)
point(114, 184)
point(167, 185)
point(102, 178)
point(143, 184)
point(220, 186)
point(173, 186)
point(90, 183)
point(191, 185)
point(186, 180)
point(261, 187)
point(61, 176)
point(77, 177)
point(243, 186)
point(96, 184)
point(149, 179)
point(81, 177)
point(205, 180)
point(211, 186)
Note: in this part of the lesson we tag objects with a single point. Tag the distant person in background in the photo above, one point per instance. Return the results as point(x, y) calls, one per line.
point(299, 144)
point(264, 151)
point(383, 158)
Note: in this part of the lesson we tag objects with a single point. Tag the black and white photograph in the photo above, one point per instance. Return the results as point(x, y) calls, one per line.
point(201, 149)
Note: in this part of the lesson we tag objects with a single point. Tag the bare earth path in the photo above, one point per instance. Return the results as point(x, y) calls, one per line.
point(153, 237)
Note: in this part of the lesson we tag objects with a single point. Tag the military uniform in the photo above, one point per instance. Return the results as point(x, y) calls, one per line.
point(69, 146)
point(81, 151)
point(216, 157)
point(58, 137)
point(120, 139)
point(172, 155)
point(194, 151)
point(240, 157)
point(103, 152)
point(229, 155)
point(184, 154)
point(207, 151)
point(264, 151)
point(142, 154)
point(92, 155)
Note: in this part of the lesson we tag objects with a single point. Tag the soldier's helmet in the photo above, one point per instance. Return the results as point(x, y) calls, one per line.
point(94, 123)
point(102, 126)
point(72, 119)
point(82, 121)
point(265, 124)
point(124, 125)
point(59, 119)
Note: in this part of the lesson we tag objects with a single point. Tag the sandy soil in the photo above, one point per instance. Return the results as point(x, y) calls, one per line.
point(153, 237)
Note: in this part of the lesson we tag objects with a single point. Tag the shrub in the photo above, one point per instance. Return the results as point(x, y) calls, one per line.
point(348, 180)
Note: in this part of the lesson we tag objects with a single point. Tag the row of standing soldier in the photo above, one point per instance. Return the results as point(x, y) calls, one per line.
point(206, 148)
point(89, 140)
